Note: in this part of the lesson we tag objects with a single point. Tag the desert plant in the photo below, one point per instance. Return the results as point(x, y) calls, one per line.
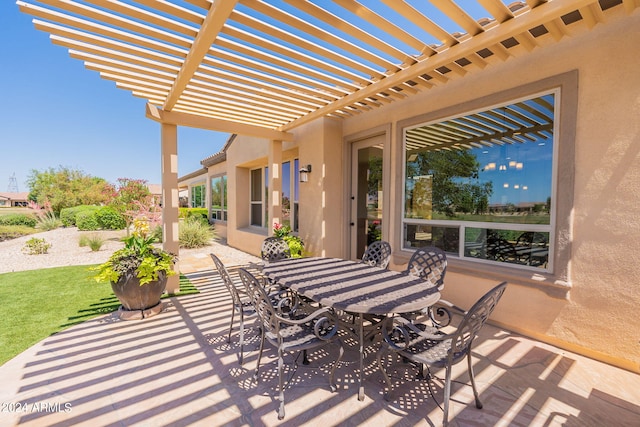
point(45, 217)
point(48, 223)
point(68, 215)
point(93, 241)
point(195, 232)
point(36, 246)
point(184, 213)
point(83, 241)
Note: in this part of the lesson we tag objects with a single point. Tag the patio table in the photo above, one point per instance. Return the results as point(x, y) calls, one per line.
point(353, 287)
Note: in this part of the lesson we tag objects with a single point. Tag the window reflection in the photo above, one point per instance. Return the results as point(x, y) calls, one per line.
point(491, 166)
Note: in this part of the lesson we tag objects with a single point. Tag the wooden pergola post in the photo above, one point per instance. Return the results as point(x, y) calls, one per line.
point(275, 184)
point(170, 201)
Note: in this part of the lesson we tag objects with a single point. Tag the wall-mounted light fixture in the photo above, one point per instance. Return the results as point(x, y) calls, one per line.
point(304, 173)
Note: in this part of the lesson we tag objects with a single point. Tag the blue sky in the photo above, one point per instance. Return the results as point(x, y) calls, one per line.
point(54, 112)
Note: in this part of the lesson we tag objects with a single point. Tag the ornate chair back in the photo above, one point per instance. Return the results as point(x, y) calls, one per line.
point(290, 335)
point(429, 263)
point(261, 301)
point(241, 303)
point(274, 249)
point(378, 254)
point(226, 279)
point(473, 321)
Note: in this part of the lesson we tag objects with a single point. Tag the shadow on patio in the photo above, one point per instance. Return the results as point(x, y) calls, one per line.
point(177, 369)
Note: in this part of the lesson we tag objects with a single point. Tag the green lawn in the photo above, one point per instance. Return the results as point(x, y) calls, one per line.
point(40, 303)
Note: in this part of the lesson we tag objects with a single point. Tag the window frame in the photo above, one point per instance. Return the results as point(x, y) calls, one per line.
point(260, 202)
point(558, 281)
point(462, 225)
point(224, 209)
point(294, 176)
point(203, 195)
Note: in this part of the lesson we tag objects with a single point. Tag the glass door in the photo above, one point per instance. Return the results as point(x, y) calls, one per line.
point(366, 194)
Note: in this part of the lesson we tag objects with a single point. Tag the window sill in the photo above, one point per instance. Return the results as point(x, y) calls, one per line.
point(254, 230)
point(548, 283)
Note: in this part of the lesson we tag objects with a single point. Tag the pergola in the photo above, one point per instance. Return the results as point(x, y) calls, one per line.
point(263, 68)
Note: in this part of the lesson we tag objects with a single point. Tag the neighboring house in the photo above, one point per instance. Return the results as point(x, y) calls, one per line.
point(11, 199)
point(155, 190)
point(559, 124)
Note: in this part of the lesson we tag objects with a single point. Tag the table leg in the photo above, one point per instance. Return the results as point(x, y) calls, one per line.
point(361, 350)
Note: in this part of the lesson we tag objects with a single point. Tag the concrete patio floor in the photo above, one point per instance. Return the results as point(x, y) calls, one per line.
point(177, 369)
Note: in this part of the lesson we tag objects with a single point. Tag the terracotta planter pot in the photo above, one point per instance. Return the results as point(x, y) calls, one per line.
point(134, 297)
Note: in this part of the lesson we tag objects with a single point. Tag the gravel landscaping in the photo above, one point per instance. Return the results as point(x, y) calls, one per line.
point(65, 250)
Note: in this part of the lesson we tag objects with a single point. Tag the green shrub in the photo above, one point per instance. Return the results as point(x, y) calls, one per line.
point(18, 219)
point(68, 215)
point(8, 232)
point(189, 212)
point(86, 220)
point(35, 246)
point(195, 232)
point(296, 245)
point(110, 219)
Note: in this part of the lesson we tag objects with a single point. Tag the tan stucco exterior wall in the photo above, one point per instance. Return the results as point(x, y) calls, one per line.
point(597, 314)
point(589, 303)
point(244, 154)
point(321, 199)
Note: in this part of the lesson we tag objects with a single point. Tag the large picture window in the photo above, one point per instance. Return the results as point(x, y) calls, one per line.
point(480, 185)
point(219, 198)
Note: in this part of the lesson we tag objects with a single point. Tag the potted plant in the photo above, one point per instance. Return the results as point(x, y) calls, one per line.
point(296, 245)
point(138, 273)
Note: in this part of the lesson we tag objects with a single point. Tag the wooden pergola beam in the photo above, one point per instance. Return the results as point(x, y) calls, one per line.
point(211, 27)
point(495, 35)
point(208, 123)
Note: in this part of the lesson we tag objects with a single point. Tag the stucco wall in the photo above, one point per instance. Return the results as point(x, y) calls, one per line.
point(244, 154)
point(321, 205)
point(591, 307)
point(598, 316)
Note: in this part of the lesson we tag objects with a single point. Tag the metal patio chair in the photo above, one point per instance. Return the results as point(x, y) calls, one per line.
point(429, 263)
point(378, 254)
point(274, 249)
point(290, 335)
point(241, 302)
point(424, 345)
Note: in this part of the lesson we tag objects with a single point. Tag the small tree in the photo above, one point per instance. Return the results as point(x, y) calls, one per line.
point(146, 211)
point(131, 198)
point(65, 187)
